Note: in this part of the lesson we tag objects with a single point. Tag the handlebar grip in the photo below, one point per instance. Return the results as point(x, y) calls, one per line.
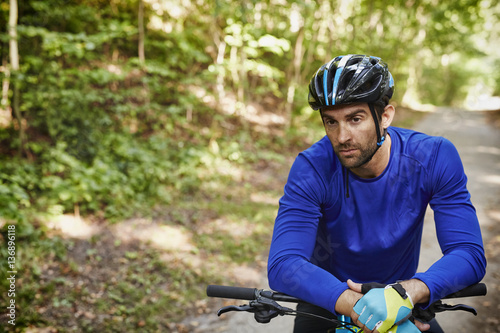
point(231, 292)
point(478, 289)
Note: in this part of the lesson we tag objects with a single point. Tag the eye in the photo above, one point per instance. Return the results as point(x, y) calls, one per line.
point(330, 122)
point(356, 119)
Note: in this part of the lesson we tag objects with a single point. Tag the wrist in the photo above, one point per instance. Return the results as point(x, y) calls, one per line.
point(346, 302)
point(417, 290)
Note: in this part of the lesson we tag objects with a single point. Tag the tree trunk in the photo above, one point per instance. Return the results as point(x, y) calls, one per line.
point(5, 111)
point(13, 51)
point(142, 56)
point(294, 75)
point(14, 65)
point(221, 51)
point(242, 73)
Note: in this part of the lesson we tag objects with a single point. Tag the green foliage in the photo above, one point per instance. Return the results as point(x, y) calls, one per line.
point(110, 136)
point(16, 179)
point(31, 244)
point(451, 77)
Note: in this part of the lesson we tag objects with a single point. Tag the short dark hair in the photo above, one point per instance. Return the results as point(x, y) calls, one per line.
point(379, 107)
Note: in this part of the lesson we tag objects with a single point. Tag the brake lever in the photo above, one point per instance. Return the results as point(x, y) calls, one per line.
point(458, 307)
point(438, 306)
point(264, 309)
point(229, 308)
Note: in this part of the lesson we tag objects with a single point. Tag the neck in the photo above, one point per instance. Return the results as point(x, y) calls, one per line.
point(378, 163)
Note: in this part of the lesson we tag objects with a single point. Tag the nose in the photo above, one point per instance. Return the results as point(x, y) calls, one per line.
point(344, 134)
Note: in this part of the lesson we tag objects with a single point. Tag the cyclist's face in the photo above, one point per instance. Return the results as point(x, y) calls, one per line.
point(351, 131)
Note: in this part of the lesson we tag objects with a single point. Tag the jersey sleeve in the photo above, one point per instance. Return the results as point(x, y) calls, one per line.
point(290, 269)
point(463, 262)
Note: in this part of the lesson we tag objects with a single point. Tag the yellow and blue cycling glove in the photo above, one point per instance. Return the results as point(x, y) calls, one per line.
point(384, 308)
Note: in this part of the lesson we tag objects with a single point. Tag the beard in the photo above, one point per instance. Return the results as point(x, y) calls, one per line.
point(362, 156)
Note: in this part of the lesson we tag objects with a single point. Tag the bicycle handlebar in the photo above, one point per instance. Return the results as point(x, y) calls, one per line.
point(251, 294)
point(248, 294)
point(478, 289)
point(264, 306)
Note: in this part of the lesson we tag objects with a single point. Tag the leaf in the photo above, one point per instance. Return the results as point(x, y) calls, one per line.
point(131, 255)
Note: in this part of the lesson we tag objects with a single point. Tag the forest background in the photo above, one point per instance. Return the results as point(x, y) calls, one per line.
point(144, 143)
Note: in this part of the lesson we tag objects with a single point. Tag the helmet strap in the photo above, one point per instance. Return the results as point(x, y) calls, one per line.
point(380, 137)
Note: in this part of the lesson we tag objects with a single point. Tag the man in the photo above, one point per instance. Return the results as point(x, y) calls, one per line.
point(354, 204)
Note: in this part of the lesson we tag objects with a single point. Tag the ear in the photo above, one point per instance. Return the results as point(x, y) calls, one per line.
point(388, 116)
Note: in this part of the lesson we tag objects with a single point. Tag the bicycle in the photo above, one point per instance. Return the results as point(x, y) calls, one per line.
point(264, 304)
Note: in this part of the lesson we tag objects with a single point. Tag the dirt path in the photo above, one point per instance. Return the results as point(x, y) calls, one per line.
point(479, 147)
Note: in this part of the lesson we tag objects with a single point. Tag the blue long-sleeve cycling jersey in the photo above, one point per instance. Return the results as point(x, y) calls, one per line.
point(322, 236)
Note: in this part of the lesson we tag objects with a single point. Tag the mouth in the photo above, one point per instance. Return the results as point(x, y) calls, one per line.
point(347, 152)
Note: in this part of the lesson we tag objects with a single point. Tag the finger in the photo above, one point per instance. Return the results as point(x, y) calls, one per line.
point(422, 326)
point(363, 328)
point(354, 286)
point(354, 318)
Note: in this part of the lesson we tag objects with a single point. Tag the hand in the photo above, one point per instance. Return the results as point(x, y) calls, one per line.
point(382, 308)
point(357, 288)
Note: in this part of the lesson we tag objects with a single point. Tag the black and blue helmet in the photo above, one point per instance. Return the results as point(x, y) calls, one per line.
point(348, 79)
